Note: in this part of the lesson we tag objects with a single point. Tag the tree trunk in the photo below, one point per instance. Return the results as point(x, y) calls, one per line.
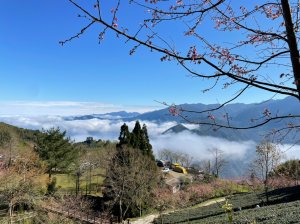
point(140, 207)
point(216, 165)
point(266, 183)
point(161, 217)
point(267, 193)
point(121, 211)
point(292, 42)
point(10, 212)
point(77, 183)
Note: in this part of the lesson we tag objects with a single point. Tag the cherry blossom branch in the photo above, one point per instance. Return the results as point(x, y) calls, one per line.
point(251, 81)
point(268, 120)
point(180, 13)
point(98, 6)
point(252, 30)
point(220, 106)
point(78, 34)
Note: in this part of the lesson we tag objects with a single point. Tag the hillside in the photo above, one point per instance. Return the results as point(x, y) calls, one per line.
point(176, 129)
point(14, 139)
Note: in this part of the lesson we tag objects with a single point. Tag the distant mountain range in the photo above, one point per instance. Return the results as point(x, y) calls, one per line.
point(240, 115)
point(107, 116)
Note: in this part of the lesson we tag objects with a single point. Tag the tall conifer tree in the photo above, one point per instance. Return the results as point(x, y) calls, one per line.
point(124, 137)
point(56, 150)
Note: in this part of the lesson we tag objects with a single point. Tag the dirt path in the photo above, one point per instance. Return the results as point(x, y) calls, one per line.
point(145, 220)
point(209, 202)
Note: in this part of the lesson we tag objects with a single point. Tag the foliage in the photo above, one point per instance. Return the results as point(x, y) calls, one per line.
point(18, 184)
point(91, 164)
point(125, 136)
point(5, 137)
point(200, 192)
point(14, 140)
point(184, 181)
point(137, 139)
point(165, 199)
point(130, 178)
point(51, 186)
point(131, 173)
point(19, 134)
point(216, 188)
point(289, 169)
point(89, 141)
point(228, 208)
point(276, 182)
point(56, 150)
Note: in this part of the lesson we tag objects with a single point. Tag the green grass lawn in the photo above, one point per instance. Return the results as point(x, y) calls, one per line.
point(65, 183)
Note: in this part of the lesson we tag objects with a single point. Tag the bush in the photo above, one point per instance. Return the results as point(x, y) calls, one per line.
point(216, 188)
point(280, 182)
point(225, 187)
point(51, 186)
point(184, 181)
point(200, 191)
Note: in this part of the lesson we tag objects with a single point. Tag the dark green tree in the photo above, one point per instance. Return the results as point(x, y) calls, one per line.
point(139, 139)
point(89, 141)
point(124, 137)
point(136, 136)
point(131, 173)
point(56, 150)
point(146, 147)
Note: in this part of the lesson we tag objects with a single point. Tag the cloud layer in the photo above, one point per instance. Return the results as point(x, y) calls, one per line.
point(187, 142)
point(199, 146)
point(65, 108)
point(193, 144)
point(80, 129)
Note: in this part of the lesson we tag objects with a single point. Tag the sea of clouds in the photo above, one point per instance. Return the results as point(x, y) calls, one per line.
point(197, 146)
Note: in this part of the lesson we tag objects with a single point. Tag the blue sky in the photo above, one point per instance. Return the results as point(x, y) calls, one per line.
point(40, 77)
point(35, 69)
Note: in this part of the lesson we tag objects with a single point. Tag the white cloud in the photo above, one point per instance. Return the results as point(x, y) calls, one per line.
point(110, 129)
point(80, 129)
point(66, 108)
point(193, 144)
point(199, 146)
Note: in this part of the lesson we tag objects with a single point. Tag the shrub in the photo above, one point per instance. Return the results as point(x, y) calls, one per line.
point(51, 186)
point(202, 191)
point(280, 182)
